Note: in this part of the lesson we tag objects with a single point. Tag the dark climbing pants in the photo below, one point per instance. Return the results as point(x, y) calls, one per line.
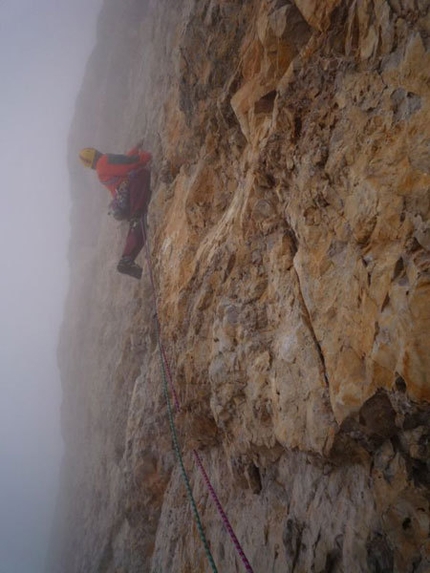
point(140, 195)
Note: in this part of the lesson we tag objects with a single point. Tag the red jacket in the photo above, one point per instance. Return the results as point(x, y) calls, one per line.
point(112, 169)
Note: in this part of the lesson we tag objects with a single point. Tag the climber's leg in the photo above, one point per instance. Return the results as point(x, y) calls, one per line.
point(139, 193)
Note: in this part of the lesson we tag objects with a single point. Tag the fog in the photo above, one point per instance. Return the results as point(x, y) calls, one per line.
point(44, 45)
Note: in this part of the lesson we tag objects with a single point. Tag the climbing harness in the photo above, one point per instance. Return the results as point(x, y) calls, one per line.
point(119, 207)
point(168, 378)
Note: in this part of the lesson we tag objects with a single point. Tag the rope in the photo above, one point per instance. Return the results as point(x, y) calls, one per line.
point(169, 376)
point(164, 361)
point(166, 370)
point(198, 461)
point(220, 509)
point(181, 461)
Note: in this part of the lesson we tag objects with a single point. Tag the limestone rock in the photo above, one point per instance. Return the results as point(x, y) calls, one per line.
point(290, 241)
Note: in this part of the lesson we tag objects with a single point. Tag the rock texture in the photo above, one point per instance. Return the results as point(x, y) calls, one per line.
point(290, 241)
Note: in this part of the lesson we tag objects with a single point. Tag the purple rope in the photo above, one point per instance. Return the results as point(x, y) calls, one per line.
point(221, 511)
point(197, 458)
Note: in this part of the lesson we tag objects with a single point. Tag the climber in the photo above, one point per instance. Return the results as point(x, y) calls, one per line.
point(128, 180)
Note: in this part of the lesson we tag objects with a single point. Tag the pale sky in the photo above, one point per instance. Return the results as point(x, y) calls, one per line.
point(44, 46)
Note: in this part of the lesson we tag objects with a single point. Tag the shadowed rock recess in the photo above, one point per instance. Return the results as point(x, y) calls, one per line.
point(290, 241)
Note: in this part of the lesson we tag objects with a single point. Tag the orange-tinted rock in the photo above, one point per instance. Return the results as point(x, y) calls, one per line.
point(289, 235)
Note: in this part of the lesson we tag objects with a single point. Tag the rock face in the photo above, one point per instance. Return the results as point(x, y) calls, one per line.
point(290, 243)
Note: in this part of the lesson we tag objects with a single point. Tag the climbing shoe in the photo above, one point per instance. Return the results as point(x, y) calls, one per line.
point(127, 266)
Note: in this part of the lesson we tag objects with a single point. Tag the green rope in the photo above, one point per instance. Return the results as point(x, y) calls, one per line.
point(169, 409)
point(179, 456)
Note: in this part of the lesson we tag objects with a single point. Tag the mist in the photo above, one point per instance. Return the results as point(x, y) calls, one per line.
point(44, 46)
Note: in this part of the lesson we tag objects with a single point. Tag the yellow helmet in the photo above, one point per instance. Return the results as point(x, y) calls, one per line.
point(88, 155)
